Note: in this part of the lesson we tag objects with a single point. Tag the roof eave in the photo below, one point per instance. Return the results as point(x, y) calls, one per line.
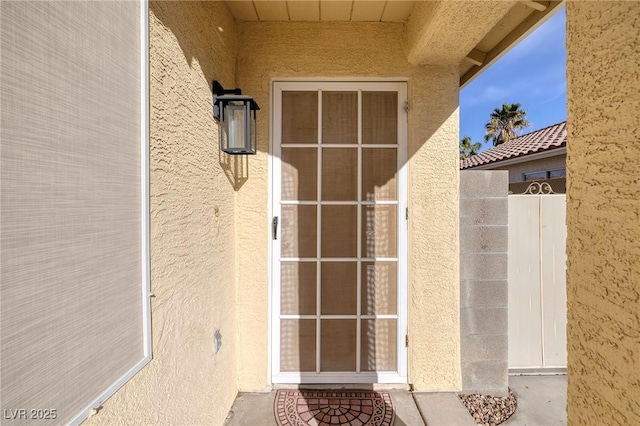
point(552, 152)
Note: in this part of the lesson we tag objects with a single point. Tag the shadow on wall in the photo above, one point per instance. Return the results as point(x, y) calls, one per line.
point(235, 167)
point(337, 283)
point(339, 242)
point(182, 18)
point(211, 63)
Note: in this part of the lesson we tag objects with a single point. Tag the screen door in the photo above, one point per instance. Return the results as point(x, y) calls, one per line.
point(339, 232)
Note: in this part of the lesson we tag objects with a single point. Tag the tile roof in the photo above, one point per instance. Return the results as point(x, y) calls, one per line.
point(546, 139)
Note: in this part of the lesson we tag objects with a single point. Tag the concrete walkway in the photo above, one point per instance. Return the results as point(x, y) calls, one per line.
point(541, 402)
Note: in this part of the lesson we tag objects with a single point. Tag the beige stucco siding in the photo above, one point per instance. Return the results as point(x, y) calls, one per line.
point(444, 32)
point(434, 292)
point(192, 227)
point(517, 171)
point(270, 51)
point(603, 213)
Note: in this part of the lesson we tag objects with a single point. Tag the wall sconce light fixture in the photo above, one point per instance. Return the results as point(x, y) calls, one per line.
point(236, 114)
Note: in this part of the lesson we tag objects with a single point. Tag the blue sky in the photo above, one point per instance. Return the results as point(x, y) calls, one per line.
point(531, 74)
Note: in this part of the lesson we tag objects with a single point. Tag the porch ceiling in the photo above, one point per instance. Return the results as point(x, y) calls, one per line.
point(469, 34)
point(516, 24)
point(321, 10)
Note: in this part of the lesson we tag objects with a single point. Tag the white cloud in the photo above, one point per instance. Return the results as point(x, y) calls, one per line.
point(494, 93)
point(553, 93)
point(488, 94)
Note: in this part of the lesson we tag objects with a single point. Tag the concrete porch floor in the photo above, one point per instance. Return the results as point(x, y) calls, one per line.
point(541, 402)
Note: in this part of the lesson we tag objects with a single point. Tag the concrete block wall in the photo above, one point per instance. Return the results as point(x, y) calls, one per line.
point(483, 281)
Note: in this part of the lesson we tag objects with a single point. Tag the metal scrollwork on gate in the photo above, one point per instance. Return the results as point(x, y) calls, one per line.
point(538, 188)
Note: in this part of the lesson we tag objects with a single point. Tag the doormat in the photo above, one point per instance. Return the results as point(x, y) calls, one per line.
point(333, 408)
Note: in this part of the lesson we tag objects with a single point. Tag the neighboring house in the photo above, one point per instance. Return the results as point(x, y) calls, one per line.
point(537, 156)
point(141, 268)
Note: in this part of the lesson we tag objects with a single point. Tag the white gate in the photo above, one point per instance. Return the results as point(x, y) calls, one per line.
point(537, 282)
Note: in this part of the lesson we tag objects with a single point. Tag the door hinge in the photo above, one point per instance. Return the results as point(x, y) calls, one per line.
point(406, 340)
point(406, 106)
point(275, 227)
point(406, 213)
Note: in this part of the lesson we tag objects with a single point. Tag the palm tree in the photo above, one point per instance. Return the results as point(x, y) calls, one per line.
point(502, 125)
point(468, 148)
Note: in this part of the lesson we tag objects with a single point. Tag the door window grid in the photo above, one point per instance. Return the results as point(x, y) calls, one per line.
point(319, 245)
point(319, 259)
point(325, 316)
point(339, 146)
point(359, 241)
point(338, 259)
point(338, 203)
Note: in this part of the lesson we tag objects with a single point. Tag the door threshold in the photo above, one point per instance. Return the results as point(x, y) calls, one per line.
point(346, 386)
point(538, 371)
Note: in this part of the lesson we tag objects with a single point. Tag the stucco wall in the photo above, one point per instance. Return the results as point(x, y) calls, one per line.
point(434, 293)
point(603, 213)
point(192, 227)
point(348, 50)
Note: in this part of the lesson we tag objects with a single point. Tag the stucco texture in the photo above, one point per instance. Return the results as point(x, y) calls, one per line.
point(210, 232)
point(269, 51)
point(443, 32)
point(192, 227)
point(603, 213)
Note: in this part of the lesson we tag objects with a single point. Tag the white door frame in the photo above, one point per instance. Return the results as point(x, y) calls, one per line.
point(278, 86)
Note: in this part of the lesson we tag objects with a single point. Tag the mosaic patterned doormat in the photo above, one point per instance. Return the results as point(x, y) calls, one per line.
point(333, 408)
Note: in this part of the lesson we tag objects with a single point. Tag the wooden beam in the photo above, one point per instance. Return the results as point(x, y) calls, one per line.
point(536, 5)
point(476, 57)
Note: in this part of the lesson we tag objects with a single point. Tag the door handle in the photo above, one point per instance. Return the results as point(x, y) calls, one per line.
point(275, 227)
